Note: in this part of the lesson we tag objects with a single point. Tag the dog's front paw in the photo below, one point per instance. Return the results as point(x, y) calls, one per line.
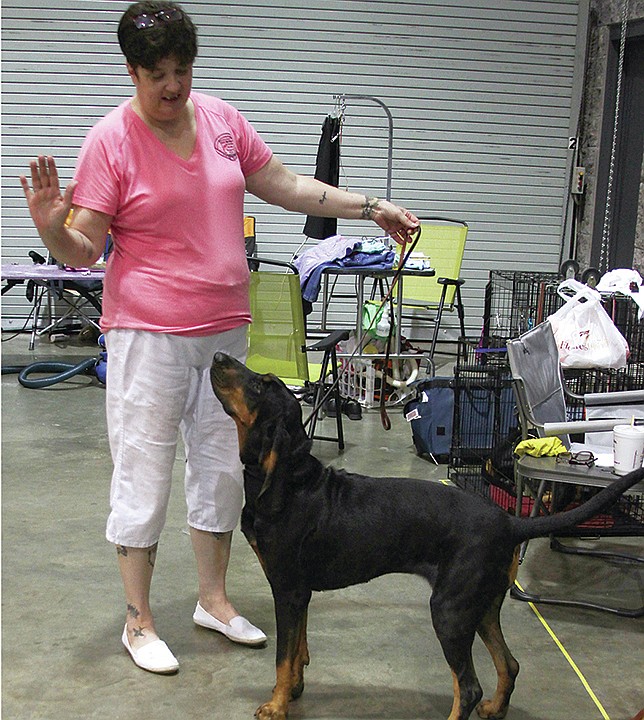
point(270, 711)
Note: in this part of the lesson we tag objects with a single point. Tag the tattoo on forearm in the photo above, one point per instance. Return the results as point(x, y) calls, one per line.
point(370, 205)
point(322, 200)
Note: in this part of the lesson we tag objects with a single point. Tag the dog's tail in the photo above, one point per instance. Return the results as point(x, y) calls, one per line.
point(527, 528)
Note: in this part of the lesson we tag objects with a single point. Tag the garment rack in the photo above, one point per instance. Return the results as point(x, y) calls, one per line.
point(343, 97)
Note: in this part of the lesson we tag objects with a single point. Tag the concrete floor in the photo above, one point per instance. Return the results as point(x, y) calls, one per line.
point(374, 655)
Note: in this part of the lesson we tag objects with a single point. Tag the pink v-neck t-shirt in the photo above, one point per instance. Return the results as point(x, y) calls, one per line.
point(178, 264)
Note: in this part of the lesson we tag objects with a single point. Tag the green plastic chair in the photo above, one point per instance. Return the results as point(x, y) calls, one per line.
point(442, 240)
point(277, 340)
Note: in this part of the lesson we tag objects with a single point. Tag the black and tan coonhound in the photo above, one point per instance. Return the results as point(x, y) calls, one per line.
point(317, 528)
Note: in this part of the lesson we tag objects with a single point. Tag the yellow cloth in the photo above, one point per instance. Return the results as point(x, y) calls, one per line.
point(538, 447)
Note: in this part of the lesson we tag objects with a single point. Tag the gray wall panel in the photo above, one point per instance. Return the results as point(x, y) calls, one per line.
point(481, 95)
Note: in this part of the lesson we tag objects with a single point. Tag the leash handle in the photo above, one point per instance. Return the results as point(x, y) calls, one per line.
point(384, 417)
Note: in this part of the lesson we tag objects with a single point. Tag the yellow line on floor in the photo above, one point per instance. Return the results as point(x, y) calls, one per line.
point(566, 654)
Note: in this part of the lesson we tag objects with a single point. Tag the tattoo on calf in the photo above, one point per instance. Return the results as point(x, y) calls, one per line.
point(370, 205)
point(132, 610)
point(120, 550)
point(152, 555)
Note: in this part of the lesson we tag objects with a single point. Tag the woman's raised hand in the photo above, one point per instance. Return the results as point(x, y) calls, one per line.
point(49, 207)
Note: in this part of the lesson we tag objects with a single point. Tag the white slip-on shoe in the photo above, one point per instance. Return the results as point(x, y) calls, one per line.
point(238, 630)
point(154, 657)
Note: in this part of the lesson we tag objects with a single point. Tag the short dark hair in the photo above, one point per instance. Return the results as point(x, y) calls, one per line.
point(146, 46)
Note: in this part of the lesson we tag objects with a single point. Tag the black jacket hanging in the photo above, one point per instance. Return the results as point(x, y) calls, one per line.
point(327, 169)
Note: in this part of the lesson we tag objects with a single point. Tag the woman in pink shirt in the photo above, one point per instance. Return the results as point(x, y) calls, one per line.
point(166, 173)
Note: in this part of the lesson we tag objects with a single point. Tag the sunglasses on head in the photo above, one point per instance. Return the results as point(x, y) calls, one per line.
point(148, 20)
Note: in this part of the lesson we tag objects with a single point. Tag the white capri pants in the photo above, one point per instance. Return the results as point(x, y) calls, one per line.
point(157, 385)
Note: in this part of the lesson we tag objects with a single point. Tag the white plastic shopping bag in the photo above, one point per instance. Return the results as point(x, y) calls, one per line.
point(586, 336)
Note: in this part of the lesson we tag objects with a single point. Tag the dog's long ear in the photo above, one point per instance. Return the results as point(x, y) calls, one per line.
point(272, 496)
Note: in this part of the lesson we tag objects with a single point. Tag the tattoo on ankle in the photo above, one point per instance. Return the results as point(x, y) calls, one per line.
point(322, 200)
point(132, 611)
point(138, 632)
point(370, 205)
point(120, 550)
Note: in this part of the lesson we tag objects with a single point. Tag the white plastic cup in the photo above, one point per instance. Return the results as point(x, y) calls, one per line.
point(628, 448)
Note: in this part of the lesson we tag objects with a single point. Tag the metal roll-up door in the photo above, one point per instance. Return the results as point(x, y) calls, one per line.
point(481, 94)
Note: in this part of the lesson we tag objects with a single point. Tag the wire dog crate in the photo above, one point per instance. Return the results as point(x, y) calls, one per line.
point(484, 407)
point(485, 426)
point(518, 301)
point(485, 419)
point(625, 518)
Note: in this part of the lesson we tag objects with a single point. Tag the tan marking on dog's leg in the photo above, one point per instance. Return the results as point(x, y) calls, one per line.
point(456, 705)
point(277, 707)
point(301, 660)
point(514, 567)
point(497, 706)
point(507, 668)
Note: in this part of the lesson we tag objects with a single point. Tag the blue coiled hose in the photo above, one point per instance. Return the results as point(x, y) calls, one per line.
point(96, 367)
point(57, 372)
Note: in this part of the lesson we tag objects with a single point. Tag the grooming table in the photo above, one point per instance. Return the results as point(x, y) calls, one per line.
point(362, 274)
point(54, 279)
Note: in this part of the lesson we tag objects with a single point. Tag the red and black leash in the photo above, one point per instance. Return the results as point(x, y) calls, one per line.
point(404, 256)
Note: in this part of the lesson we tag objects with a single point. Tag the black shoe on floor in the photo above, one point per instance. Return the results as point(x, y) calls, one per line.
point(329, 408)
point(352, 409)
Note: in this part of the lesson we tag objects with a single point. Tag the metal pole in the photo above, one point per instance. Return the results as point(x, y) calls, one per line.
point(390, 148)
